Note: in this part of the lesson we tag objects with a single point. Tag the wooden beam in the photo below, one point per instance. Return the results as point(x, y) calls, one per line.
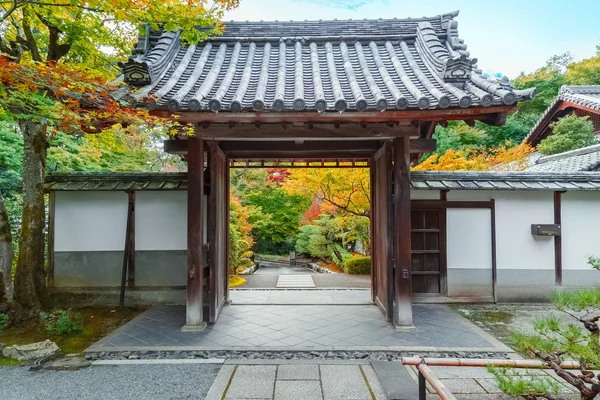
point(558, 269)
point(195, 236)
point(308, 149)
point(336, 117)
point(402, 235)
point(215, 131)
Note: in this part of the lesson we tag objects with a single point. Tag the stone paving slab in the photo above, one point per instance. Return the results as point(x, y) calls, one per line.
point(302, 297)
point(323, 327)
point(310, 381)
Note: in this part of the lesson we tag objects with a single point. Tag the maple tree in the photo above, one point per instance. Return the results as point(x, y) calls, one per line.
point(505, 158)
point(57, 62)
point(240, 240)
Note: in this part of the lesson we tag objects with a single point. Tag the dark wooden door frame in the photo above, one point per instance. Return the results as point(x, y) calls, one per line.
point(217, 227)
point(442, 246)
point(443, 205)
point(195, 318)
point(402, 234)
point(382, 266)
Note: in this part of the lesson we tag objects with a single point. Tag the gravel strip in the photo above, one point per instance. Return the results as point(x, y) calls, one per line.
point(156, 382)
point(285, 355)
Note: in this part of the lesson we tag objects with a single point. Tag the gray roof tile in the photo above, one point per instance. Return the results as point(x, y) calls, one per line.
point(354, 65)
point(585, 96)
point(420, 180)
point(584, 159)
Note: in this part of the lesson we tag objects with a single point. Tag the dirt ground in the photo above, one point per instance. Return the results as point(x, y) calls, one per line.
point(99, 322)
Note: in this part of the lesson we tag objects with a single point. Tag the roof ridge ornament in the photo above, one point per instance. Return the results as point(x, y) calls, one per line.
point(451, 65)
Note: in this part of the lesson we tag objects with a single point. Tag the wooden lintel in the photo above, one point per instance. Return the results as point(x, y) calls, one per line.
point(298, 130)
point(307, 149)
point(335, 117)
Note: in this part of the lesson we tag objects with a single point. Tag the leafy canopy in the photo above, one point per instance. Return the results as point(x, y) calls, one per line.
point(568, 133)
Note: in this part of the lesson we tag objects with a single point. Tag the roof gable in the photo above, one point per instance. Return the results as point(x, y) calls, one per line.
point(569, 97)
point(349, 65)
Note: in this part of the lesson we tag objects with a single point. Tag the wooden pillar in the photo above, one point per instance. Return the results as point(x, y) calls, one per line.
point(51, 224)
point(558, 270)
point(402, 233)
point(131, 239)
point(194, 320)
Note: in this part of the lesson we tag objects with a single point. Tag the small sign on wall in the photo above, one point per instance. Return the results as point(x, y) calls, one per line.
point(545, 229)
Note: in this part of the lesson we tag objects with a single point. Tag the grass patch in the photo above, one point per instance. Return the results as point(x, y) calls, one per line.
point(236, 281)
point(272, 257)
point(9, 362)
point(98, 322)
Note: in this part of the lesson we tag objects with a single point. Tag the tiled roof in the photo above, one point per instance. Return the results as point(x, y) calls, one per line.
point(420, 180)
point(585, 96)
point(460, 180)
point(354, 65)
point(585, 159)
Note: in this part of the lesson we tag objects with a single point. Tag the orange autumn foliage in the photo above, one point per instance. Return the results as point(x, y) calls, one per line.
point(503, 158)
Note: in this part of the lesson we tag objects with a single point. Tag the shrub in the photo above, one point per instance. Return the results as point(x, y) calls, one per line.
point(62, 322)
point(359, 266)
point(345, 254)
point(3, 322)
point(568, 133)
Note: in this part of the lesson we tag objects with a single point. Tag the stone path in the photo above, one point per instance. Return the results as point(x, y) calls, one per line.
point(322, 281)
point(295, 281)
point(297, 297)
point(297, 381)
point(323, 327)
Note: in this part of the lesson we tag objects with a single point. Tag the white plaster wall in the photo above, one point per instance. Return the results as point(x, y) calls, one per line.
point(161, 220)
point(516, 248)
point(90, 221)
point(469, 238)
point(424, 194)
point(580, 229)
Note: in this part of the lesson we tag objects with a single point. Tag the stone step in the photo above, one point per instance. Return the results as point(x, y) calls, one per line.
point(295, 281)
point(397, 382)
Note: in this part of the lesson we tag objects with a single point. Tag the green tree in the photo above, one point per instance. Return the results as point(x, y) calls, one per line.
point(53, 66)
point(240, 240)
point(555, 341)
point(568, 133)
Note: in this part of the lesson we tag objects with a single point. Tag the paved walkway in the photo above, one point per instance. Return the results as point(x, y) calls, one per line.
point(437, 328)
point(297, 381)
point(283, 269)
point(302, 296)
point(322, 281)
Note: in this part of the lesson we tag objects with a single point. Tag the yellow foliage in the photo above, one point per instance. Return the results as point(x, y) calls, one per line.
point(503, 158)
point(338, 189)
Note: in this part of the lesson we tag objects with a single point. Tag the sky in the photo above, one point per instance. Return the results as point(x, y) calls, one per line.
point(507, 37)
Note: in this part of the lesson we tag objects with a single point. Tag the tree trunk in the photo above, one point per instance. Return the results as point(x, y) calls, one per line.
point(8, 305)
point(6, 256)
point(30, 277)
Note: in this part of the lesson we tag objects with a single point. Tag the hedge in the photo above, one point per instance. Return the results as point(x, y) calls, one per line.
point(358, 266)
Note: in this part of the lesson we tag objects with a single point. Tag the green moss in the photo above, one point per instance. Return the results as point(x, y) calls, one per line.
point(9, 362)
point(99, 322)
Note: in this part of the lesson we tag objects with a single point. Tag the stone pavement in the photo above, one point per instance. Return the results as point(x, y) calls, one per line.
point(281, 380)
point(297, 381)
point(303, 296)
point(470, 383)
point(323, 327)
point(322, 281)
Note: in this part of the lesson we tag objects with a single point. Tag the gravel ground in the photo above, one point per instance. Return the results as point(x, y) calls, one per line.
point(156, 382)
